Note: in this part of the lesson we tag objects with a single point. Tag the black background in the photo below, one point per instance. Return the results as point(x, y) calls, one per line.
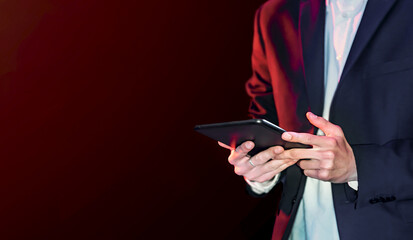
point(98, 100)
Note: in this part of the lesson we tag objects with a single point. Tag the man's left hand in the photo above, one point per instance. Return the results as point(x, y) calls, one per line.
point(331, 158)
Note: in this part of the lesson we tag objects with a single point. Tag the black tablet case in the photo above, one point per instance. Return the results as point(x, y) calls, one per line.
point(263, 133)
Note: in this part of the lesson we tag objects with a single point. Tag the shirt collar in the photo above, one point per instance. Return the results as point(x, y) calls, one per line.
point(349, 8)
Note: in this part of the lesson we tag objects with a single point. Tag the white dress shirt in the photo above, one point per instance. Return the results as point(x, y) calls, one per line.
point(315, 219)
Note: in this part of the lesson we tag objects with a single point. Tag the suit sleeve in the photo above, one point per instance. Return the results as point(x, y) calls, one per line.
point(385, 172)
point(259, 86)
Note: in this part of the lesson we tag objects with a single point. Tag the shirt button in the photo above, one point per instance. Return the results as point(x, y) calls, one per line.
point(339, 57)
point(344, 15)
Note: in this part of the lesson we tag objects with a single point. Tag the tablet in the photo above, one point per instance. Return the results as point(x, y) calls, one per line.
point(263, 133)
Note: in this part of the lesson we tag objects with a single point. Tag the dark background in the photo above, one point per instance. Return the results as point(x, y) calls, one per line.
point(98, 100)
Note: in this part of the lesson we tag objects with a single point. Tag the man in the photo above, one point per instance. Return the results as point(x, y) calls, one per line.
point(338, 75)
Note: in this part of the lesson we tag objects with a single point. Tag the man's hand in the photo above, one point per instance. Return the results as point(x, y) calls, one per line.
point(331, 158)
point(261, 167)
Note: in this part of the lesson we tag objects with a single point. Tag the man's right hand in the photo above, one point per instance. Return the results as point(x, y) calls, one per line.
point(261, 167)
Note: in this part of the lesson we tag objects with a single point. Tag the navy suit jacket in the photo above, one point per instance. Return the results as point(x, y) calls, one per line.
point(373, 104)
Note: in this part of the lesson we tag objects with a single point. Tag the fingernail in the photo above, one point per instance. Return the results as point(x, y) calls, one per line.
point(312, 115)
point(287, 136)
point(278, 150)
point(248, 145)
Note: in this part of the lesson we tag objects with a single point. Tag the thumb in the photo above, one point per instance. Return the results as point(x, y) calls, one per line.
point(327, 127)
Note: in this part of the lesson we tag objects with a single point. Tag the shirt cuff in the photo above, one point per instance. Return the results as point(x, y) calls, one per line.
point(263, 187)
point(354, 185)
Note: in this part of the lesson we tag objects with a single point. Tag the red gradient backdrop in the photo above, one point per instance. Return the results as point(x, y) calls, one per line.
point(97, 104)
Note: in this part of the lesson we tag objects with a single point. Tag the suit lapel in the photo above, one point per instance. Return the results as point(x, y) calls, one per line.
point(311, 32)
point(373, 15)
point(311, 25)
point(312, 28)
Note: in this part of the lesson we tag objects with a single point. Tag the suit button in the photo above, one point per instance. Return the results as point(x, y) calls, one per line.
point(373, 201)
point(391, 198)
point(293, 201)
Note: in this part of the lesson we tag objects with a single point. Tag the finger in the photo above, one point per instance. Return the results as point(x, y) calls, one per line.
point(327, 127)
point(304, 138)
point(271, 166)
point(313, 173)
point(299, 154)
point(309, 164)
point(323, 175)
point(234, 158)
point(266, 155)
point(245, 147)
point(240, 152)
point(244, 162)
point(278, 165)
point(275, 166)
point(242, 167)
point(225, 146)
